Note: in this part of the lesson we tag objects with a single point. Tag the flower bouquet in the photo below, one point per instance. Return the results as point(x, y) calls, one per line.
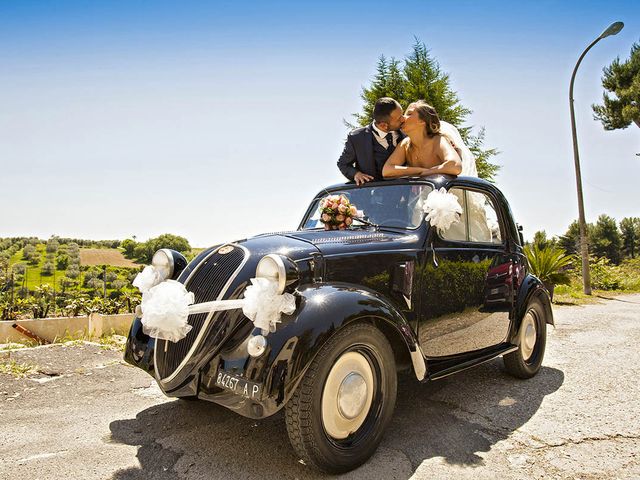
point(336, 212)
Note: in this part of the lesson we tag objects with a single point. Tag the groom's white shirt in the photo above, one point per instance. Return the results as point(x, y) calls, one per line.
point(380, 136)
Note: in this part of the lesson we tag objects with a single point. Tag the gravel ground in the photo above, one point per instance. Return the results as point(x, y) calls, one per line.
point(83, 413)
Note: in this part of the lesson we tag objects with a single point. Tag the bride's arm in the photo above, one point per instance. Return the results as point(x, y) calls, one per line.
point(451, 163)
point(395, 165)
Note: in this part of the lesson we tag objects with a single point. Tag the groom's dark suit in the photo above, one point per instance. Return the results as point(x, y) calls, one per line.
point(362, 152)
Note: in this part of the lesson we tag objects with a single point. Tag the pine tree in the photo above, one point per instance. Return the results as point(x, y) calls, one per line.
point(419, 77)
point(630, 230)
point(606, 238)
point(623, 80)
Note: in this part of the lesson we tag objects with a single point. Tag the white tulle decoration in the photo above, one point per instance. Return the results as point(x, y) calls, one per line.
point(165, 309)
point(147, 279)
point(263, 305)
point(166, 306)
point(442, 209)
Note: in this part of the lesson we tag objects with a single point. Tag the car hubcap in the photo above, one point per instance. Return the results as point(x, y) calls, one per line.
point(528, 336)
point(347, 395)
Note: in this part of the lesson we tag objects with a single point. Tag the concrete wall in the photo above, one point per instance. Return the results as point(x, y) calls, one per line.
point(94, 325)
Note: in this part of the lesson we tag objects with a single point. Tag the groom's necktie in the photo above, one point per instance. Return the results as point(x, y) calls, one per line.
point(389, 138)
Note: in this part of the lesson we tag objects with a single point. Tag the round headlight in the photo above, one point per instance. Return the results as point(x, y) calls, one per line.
point(163, 262)
point(279, 268)
point(272, 267)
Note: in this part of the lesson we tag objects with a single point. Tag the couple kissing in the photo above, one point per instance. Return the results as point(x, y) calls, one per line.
point(397, 144)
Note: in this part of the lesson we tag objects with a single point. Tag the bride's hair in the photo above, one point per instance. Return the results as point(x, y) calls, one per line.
point(429, 116)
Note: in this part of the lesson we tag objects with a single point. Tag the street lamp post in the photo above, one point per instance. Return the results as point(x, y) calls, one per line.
point(612, 29)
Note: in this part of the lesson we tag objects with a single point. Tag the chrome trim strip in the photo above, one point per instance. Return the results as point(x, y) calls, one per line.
point(419, 366)
point(207, 320)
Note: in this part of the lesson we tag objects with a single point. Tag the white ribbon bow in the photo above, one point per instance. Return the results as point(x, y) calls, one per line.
point(166, 307)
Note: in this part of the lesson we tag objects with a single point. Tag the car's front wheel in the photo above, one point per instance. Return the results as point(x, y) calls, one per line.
point(338, 414)
point(527, 360)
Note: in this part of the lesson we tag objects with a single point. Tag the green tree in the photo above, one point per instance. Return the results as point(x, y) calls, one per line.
point(29, 252)
point(622, 79)
point(606, 239)
point(419, 77)
point(128, 246)
point(630, 230)
point(52, 245)
point(144, 251)
point(73, 271)
point(62, 262)
point(570, 241)
point(540, 240)
point(47, 268)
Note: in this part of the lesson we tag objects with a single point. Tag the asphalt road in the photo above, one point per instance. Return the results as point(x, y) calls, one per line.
point(87, 415)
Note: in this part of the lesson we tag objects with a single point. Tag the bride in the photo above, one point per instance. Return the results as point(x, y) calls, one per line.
point(431, 147)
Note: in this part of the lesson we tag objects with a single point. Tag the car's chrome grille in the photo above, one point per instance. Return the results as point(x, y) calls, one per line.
point(206, 283)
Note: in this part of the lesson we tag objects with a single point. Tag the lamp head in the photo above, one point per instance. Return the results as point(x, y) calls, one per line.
point(612, 29)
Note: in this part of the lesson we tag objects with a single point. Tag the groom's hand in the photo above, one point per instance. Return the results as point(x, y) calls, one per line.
point(362, 178)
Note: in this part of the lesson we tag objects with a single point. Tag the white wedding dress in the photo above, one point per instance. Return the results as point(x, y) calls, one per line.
point(468, 161)
point(479, 228)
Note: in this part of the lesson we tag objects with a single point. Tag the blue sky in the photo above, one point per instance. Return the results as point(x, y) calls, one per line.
point(216, 121)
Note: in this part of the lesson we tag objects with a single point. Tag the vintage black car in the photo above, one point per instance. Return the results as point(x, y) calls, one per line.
point(390, 293)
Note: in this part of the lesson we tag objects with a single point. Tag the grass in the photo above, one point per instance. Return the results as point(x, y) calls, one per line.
point(17, 370)
point(9, 347)
point(625, 276)
point(92, 256)
point(107, 341)
point(34, 277)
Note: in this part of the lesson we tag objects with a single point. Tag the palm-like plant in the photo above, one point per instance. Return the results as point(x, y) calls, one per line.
point(549, 264)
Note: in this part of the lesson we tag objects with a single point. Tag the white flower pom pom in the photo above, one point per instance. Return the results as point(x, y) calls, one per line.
point(442, 209)
point(165, 309)
point(147, 279)
point(263, 305)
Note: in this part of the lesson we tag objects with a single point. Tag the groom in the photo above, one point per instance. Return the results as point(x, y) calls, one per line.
point(368, 148)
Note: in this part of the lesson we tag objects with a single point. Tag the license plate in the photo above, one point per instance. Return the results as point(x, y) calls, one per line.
point(238, 385)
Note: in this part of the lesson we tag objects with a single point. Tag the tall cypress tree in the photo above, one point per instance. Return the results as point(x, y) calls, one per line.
point(419, 77)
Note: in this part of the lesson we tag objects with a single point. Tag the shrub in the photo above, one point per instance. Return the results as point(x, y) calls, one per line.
point(604, 276)
point(52, 245)
point(73, 271)
point(19, 268)
point(94, 283)
point(29, 252)
point(47, 268)
point(62, 262)
point(549, 264)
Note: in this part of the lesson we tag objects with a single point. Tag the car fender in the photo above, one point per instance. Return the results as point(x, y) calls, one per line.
point(324, 309)
point(531, 287)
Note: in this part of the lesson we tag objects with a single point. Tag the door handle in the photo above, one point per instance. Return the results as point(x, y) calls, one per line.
point(435, 260)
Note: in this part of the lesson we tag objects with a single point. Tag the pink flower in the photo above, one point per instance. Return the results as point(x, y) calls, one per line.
point(342, 208)
point(339, 218)
point(348, 221)
point(353, 209)
point(342, 226)
point(325, 217)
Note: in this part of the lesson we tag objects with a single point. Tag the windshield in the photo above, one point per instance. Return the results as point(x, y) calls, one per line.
point(398, 206)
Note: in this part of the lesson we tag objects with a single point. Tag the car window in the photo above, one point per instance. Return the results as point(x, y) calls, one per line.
point(399, 206)
point(483, 219)
point(478, 222)
point(458, 230)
